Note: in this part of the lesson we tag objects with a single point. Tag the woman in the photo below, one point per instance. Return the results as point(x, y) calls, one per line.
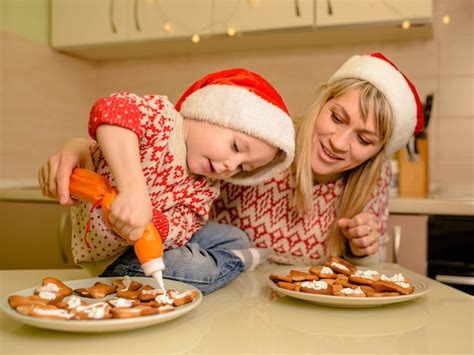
point(334, 200)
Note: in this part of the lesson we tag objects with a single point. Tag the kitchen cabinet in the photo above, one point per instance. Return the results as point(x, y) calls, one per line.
point(127, 29)
point(99, 22)
point(35, 236)
point(350, 12)
point(247, 16)
point(88, 22)
point(408, 244)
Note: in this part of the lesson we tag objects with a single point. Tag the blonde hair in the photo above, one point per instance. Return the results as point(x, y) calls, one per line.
point(359, 181)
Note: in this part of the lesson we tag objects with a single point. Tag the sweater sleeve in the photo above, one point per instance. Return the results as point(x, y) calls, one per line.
point(378, 206)
point(177, 224)
point(119, 110)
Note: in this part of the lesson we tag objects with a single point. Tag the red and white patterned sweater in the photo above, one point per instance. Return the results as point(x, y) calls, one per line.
point(266, 213)
point(180, 200)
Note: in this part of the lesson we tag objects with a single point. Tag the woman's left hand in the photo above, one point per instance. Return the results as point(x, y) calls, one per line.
point(362, 232)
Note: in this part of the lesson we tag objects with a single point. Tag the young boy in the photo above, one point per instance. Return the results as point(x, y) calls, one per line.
point(166, 162)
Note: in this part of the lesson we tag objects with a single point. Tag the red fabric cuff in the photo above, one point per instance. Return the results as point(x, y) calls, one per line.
point(118, 111)
point(160, 221)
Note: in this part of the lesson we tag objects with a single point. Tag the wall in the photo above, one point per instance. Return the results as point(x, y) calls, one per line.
point(48, 98)
point(44, 95)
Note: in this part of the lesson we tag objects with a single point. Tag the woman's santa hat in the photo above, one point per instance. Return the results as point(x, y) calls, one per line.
point(241, 100)
point(396, 87)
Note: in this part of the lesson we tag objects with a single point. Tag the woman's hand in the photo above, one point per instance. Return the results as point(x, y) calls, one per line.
point(362, 232)
point(130, 214)
point(54, 175)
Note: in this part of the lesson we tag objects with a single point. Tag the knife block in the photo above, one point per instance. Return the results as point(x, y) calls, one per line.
point(413, 180)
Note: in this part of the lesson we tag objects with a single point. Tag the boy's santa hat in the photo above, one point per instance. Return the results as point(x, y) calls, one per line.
point(241, 100)
point(396, 87)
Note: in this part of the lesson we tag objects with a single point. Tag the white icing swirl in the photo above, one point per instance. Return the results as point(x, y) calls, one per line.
point(126, 282)
point(152, 292)
point(349, 291)
point(94, 311)
point(73, 302)
point(121, 302)
point(366, 274)
point(48, 291)
point(326, 271)
point(53, 312)
point(163, 299)
point(339, 266)
point(315, 285)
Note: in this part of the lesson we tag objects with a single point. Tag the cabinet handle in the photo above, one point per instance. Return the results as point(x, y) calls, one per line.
point(135, 15)
point(112, 16)
point(63, 224)
point(397, 236)
point(297, 8)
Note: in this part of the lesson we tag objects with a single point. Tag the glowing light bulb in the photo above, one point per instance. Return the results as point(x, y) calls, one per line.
point(406, 24)
point(446, 19)
point(167, 27)
point(231, 31)
point(195, 38)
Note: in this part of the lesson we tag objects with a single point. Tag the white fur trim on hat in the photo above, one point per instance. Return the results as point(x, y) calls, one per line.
point(239, 109)
point(393, 85)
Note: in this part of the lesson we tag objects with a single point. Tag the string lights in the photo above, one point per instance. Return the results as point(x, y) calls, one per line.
point(169, 26)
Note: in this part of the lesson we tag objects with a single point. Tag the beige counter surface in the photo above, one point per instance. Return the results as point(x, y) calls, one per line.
point(432, 206)
point(246, 318)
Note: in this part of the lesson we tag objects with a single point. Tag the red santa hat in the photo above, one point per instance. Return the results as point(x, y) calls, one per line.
point(241, 100)
point(397, 88)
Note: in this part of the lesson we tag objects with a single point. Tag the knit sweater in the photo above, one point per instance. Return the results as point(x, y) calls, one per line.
point(267, 214)
point(180, 200)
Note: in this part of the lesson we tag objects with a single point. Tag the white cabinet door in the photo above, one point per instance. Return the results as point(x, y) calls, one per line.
point(86, 22)
point(183, 18)
point(409, 241)
point(349, 12)
point(259, 15)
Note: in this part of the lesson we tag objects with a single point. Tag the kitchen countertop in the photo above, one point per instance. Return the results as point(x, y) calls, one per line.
point(397, 205)
point(246, 318)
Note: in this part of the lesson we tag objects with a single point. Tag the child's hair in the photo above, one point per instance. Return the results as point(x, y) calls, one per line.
point(243, 101)
point(359, 181)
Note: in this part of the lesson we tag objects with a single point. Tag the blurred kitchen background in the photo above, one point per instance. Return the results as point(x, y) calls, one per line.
point(59, 56)
point(46, 93)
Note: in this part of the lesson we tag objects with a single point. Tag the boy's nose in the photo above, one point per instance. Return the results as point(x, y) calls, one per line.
point(231, 165)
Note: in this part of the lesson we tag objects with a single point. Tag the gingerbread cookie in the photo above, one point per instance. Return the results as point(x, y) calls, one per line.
point(317, 287)
point(338, 277)
point(99, 290)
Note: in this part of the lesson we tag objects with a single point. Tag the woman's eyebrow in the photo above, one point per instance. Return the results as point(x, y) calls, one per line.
point(346, 115)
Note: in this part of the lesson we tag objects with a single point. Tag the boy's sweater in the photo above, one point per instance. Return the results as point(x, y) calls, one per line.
point(180, 200)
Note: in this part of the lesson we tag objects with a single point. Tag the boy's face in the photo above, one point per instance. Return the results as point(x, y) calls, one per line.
point(220, 153)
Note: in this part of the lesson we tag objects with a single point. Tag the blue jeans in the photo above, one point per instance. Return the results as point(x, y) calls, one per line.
point(205, 262)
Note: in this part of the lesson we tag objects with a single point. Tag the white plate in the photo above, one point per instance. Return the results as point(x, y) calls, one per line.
point(104, 325)
point(421, 287)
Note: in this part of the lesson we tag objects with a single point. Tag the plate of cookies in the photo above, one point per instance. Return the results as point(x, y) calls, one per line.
point(338, 283)
point(100, 304)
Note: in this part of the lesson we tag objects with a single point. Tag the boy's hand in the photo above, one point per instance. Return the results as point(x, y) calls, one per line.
point(362, 232)
point(130, 214)
point(54, 175)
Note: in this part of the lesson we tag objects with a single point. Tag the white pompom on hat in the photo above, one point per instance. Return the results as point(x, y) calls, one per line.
point(241, 100)
point(396, 87)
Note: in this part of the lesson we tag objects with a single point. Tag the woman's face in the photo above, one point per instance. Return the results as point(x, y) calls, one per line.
point(341, 139)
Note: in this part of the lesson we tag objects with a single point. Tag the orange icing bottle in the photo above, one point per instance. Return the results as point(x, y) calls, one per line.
point(96, 189)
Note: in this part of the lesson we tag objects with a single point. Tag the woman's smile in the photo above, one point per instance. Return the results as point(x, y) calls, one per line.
point(326, 153)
